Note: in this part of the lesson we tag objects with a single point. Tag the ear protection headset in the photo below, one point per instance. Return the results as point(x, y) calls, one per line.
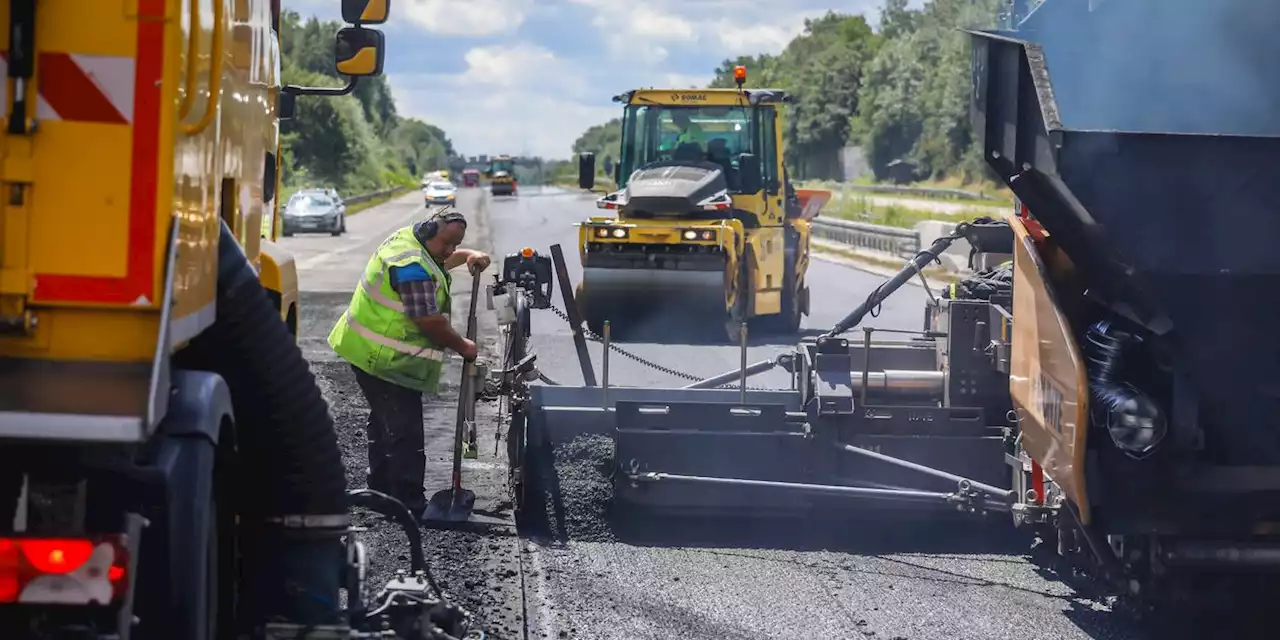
point(432, 227)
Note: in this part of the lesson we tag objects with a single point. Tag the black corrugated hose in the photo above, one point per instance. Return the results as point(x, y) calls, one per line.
point(288, 463)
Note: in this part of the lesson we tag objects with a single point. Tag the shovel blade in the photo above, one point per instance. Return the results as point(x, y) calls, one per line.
point(450, 505)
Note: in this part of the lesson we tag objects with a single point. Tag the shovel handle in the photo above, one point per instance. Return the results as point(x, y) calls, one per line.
point(465, 391)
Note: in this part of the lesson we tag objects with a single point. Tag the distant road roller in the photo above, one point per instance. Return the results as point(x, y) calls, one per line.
point(705, 228)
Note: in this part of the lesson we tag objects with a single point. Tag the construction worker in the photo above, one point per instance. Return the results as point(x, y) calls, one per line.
point(394, 334)
point(690, 131)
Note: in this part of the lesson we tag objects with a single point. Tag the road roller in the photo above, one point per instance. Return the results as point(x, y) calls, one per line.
point(502, 176)
point(704, 232)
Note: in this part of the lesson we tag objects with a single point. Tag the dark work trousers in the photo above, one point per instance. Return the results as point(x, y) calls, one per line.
point(397, 449)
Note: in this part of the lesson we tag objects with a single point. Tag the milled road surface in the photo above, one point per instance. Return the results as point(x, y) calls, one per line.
point(935, 581)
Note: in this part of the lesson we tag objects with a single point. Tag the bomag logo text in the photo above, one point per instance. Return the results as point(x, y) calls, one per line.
point(1047, 397)
point(688, 97)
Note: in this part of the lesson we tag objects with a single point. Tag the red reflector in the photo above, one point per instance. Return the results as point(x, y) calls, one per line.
point(722, 206)
point(62, 570)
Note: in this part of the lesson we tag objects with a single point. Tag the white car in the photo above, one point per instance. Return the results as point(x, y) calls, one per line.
point(440, 193)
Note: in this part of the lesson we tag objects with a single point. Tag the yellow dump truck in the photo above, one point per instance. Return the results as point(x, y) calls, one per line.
point(162, 441)
point(705, 224)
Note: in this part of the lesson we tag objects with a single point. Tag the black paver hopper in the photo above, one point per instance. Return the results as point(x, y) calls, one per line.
point(1174, 230)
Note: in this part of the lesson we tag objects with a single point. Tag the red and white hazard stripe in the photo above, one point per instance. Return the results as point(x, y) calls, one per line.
point(124, 92)
point(81, 88)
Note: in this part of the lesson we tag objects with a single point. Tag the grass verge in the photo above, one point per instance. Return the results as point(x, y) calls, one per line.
point(986, 193)
point(861, 209)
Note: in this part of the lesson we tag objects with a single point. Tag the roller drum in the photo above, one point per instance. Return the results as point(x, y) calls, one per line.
point(657, 301)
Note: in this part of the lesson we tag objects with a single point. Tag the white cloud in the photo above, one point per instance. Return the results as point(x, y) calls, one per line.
point(736, 39)
point(509, 66)
point(510, 121)
point(470, 18)
point(517, 97)
point(647, 34)
point(639, 34)
point(645, 22)
point(513, 99)
point(686, 80)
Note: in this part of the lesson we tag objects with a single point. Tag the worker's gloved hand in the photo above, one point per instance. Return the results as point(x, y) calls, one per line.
point(478, 262)
point(469, 350)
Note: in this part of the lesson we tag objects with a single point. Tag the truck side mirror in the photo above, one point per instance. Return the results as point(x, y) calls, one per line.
point(586, 171)
point(608, 165)
point(288, 105)
point(749, 179)
point(365, 11)
point(359, 52)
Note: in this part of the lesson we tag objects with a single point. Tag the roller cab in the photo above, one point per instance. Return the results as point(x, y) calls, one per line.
point(706, 233)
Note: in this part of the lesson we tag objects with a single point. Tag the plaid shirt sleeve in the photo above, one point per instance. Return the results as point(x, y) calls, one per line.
point(419, 298)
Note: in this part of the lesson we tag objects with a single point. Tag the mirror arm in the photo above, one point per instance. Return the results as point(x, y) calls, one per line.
point(323, 91)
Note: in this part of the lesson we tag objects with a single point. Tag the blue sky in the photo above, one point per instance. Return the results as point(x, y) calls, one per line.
point(528, 76)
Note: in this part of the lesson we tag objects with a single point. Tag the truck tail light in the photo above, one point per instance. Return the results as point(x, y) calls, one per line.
point(73, 571)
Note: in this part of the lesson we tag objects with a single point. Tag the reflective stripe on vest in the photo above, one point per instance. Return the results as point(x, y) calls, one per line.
point(373, 288)
point(403, 347)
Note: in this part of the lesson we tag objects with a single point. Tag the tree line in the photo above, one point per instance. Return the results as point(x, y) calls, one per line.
point(901, 92)
point(355, 143)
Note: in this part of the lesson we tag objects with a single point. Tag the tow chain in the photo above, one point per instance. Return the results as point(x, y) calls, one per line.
point(594, 337)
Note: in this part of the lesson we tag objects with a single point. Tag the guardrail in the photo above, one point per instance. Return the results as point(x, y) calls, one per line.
point(365, 197)
point(891, 241)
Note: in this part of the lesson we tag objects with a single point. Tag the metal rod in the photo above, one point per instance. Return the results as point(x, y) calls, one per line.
point(604, 370)
point(893, 284)
point(866, 363)
point(1203, 553)
point(902, 382)
point(997, 492)
point(742, 338)
point(575, 319)
point(856, 492)
point(730, 376)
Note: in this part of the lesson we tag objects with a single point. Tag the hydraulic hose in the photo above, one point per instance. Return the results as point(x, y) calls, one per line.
point(288, 480)
point(290, 463)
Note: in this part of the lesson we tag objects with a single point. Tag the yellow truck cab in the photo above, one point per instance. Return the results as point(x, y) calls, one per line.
point(704, 222)
point(157, 419)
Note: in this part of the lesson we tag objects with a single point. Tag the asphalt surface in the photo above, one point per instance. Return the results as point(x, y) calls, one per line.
point(741, 588)
point(866, 579)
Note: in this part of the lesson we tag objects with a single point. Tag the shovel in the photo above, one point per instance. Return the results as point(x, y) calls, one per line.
point(455, 503)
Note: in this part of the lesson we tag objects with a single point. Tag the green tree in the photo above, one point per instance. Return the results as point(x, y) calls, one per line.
point(901, 91)
point(355, 143)
point(604, 140)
